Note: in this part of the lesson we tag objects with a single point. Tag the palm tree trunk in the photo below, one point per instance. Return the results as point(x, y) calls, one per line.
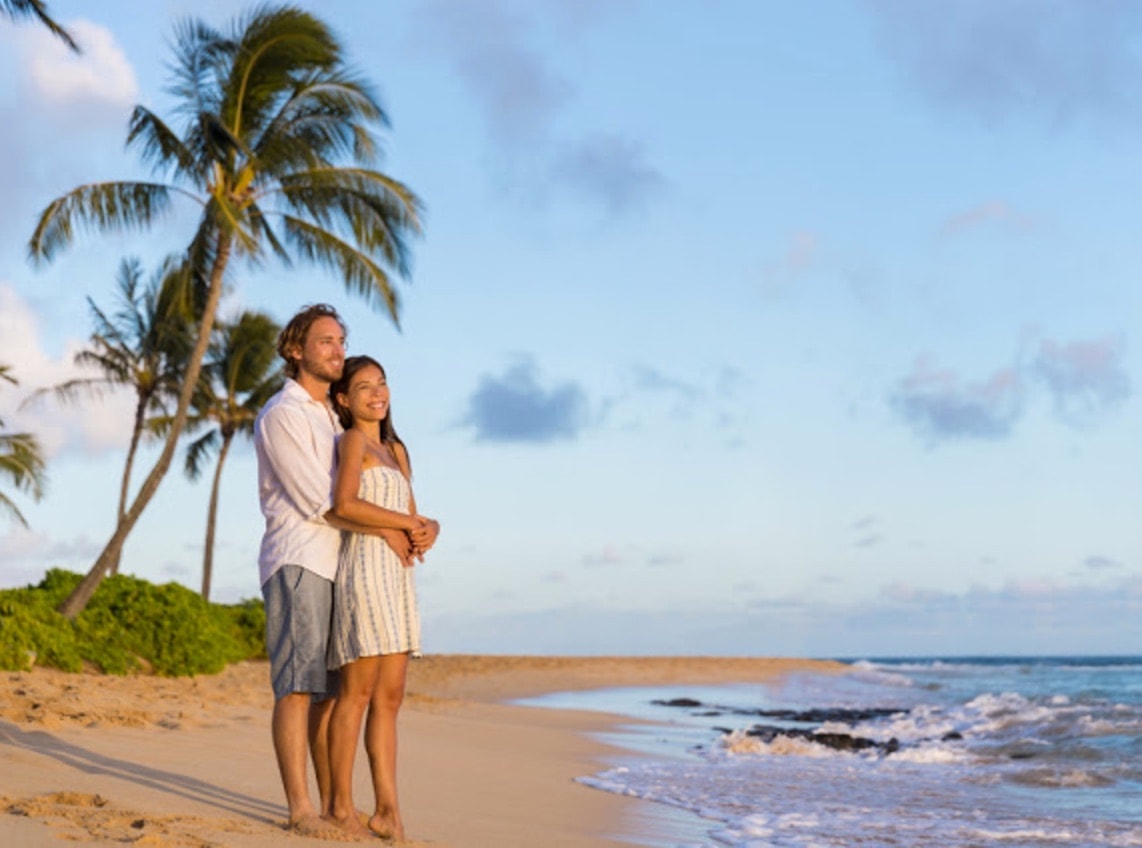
point(136, 435)
point(78, 599)
point(208, 553)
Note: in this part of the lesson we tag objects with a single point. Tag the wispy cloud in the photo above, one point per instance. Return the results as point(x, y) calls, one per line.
point(801, 253)
point(1054, 61)
point(1099, 562)
point(610, 169)
point(488, 47)
point(1085, 378)
point(494, 49)
point(610, 555)
point(713, 395)
point(940, 405)
point(993, 212)
point(515, 407)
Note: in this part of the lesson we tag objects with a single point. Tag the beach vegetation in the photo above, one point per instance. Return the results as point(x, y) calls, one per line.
point(237, 379)
point(132, 626)
point(272, 139)
point(141, 345)
point(21, 463)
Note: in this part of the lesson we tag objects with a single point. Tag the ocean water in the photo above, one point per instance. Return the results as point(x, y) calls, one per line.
point(897, 752)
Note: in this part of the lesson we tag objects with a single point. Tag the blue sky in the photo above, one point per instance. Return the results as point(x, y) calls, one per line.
point(736, 328)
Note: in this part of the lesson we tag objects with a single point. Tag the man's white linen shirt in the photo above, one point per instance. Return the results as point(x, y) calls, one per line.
point(294, 437)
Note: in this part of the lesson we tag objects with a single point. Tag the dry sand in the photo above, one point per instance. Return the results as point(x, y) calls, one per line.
point(188, 762)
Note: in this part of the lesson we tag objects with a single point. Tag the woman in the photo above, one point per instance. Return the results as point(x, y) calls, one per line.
point(376, 625)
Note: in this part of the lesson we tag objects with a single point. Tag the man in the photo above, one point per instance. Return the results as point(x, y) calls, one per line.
point(294, 438)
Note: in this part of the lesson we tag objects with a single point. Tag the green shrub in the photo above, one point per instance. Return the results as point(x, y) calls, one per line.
point(130, 625)
point(32, 632)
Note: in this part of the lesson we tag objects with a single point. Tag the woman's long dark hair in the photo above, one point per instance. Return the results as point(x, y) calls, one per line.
point(388, 435)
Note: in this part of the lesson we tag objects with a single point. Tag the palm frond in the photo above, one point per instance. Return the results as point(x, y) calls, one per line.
point(37, 9)
point(22, 464)
point(325, 118)
point(259, 225)
point(199, 451)
point(160, 146)
point(379, 211)
point(72, 391)
point(360, 274)
point(276, 47)
point(200, 58)
point(107, 207)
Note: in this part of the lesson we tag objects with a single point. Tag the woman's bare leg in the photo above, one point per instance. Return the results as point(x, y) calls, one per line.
point(381, 744)
point(358, 681)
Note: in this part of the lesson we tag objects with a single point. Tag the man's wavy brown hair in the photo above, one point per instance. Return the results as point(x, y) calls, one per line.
point(291, 340)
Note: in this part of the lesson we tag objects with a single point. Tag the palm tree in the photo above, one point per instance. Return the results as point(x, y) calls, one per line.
point(15, 9)
point(269, 112)
point(237, 379)
point(143, 346)
point(21, 462)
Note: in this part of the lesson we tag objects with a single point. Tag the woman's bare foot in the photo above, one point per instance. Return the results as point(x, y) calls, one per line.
point(387, 827)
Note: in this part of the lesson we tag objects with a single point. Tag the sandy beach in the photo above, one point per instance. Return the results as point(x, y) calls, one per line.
point(188, 762)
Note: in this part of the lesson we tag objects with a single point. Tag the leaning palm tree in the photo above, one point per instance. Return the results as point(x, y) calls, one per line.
point(143, 345)
point(21, 462)
point(237, 379)
point(15, 9)
point(275, 147)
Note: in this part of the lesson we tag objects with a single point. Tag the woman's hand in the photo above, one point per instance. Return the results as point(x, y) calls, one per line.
point(424, 536)
point(401, 545)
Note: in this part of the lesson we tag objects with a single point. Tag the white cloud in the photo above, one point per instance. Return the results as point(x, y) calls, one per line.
point(25, 554)
point(102, 73)
point(93, 426)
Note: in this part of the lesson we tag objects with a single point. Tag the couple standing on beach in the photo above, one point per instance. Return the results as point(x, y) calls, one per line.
point(342, 534)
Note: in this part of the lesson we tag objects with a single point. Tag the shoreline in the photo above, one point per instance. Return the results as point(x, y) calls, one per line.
point(188, 761)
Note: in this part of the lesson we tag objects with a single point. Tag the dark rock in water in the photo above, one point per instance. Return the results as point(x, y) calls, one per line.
point(836, 741)
point(816, 716)
point(843, 741)
point(820, 716)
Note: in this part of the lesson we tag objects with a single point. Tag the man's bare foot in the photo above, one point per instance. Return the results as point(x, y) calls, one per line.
point(311, 825)
point(350, 825)
point(386, 827)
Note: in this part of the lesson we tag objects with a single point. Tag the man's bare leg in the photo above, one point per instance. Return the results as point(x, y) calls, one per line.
point(381, 745)
point(319, 713)
point(289, 728)
point(358, 680)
